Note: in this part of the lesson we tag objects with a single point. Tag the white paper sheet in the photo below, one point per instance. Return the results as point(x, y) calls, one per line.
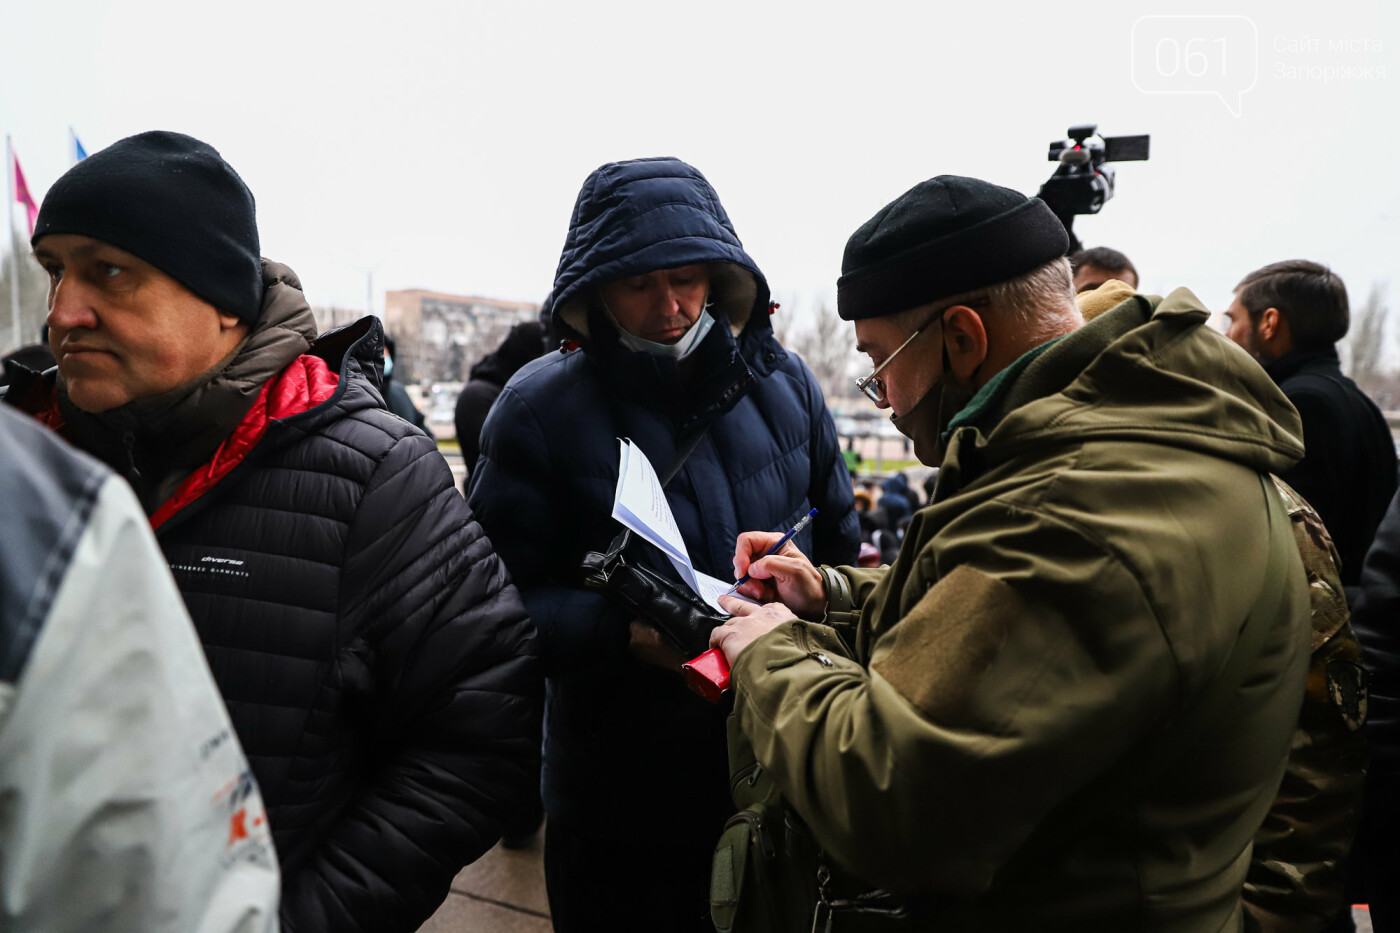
point(640, 504)
point(711, 590)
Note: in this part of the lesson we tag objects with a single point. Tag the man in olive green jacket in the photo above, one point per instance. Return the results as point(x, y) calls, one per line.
point(1067, 705)
point(1296, 881)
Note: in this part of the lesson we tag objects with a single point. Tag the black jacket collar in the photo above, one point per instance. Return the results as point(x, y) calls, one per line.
point(1295, 361)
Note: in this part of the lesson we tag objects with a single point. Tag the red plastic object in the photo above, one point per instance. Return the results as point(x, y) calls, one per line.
point(708, 674)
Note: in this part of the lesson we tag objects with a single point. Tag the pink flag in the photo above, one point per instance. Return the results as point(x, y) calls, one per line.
point(23, 196)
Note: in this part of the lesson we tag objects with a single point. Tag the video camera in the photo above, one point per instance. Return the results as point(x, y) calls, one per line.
point(1083, 182)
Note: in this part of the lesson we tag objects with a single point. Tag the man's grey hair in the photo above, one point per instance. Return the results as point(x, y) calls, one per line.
point(1040, 300)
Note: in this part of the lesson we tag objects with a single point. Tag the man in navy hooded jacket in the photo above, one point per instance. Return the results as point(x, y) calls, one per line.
point(666, 320)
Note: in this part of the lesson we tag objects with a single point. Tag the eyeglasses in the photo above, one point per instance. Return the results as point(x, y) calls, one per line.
point(872, 385)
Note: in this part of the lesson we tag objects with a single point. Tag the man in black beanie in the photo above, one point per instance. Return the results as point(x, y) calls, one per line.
point(376, 663)
point(1068, 703)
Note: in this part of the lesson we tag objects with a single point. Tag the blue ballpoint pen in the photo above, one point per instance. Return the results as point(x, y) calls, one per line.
point(774, 549)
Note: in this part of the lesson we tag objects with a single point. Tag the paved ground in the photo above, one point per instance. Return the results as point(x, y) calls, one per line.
point(453, 456)
point(503, 892)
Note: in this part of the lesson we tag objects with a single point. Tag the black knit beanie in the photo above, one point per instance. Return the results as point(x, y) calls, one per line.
point(173, 201)
point(943, 237)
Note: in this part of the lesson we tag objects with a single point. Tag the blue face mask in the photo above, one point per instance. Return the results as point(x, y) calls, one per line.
point(388, 365)
point(676, 351)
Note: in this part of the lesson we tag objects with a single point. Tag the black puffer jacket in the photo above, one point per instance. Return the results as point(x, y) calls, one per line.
point(1376, 619)
point(488, 376)
point(375, 660)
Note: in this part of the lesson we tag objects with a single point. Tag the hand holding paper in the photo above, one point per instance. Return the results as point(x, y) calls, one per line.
point(639, 503)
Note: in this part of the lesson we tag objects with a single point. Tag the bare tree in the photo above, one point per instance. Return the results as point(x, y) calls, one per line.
point(33, 299)
point(1366, 339)
point(827, 349)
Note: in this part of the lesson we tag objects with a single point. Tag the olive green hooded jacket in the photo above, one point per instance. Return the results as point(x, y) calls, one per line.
point(1067, 705)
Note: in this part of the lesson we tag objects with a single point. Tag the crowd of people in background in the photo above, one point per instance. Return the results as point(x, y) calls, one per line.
point(1124, 653)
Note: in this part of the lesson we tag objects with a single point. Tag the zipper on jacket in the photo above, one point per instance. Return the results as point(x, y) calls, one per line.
point(129, 448)
point(748, 776)
point(805, 645)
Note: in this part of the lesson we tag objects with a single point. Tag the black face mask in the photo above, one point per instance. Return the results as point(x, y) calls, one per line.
point(927, 422)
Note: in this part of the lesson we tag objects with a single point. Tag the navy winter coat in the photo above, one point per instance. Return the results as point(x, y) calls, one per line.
point(621, 734)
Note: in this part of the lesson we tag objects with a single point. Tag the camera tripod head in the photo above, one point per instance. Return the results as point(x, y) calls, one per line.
point(1083, 181)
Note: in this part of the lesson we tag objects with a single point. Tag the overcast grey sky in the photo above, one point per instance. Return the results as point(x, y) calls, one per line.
point(442, 144)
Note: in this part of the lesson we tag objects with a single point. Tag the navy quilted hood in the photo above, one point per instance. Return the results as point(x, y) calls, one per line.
point(646, 214)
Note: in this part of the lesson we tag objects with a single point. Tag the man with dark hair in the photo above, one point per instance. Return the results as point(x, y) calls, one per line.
point(1289, 316)
point(1093, 267)
point(1068, 703)
point(375, 661)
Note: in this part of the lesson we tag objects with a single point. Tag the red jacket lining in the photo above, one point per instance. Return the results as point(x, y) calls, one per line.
point(303, 385)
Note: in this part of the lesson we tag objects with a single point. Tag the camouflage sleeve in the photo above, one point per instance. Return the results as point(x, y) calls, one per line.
point(1296, 877)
